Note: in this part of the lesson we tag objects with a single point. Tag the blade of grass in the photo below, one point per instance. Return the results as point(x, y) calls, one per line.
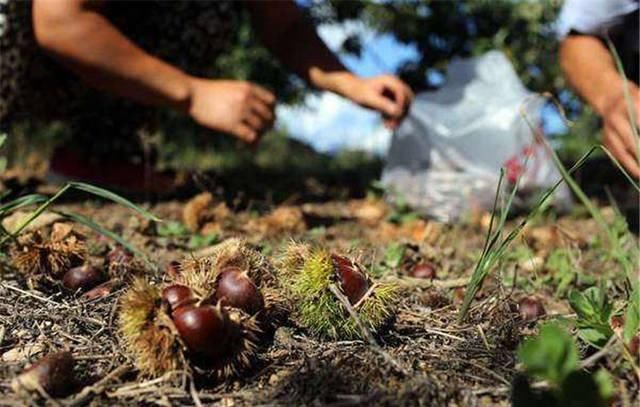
point(21, 202)
point(115, 198)
point(490, 258)
point(36, 213)
point(83, 220)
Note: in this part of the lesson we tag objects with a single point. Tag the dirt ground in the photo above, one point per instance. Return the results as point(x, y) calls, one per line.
point(424, 357)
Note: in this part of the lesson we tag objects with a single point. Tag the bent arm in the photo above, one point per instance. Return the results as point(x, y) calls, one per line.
point(292, 38)
point(76, 34)
point(591, 70)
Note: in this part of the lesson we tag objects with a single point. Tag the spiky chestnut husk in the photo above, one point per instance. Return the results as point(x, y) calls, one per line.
point(202, 274)
point(317, 309)
point(153, 338)
point(39, 259)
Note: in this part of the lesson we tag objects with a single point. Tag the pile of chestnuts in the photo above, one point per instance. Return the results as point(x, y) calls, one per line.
point(209, 317)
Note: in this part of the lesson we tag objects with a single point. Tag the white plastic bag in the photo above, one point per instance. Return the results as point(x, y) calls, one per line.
point(445, 158)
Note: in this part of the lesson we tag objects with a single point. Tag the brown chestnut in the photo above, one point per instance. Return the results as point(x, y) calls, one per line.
point(423, 270)
point(353, 281)
point(530, 308)
point(236, 289)
point(616, 322)
point(204, 329)
point(177, 296)
point(53, 373)
point(82, 278)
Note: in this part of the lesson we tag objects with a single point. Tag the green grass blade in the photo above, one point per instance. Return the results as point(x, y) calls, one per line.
point(103, 193)
point(621, 168)
point(36, 213)
point(83, 220)
point(489, 259)
point(21, 202)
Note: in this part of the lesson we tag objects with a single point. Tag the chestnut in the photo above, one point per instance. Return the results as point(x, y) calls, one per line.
point(82, 278)
point(530, 308)
point(236, 289)
point(53, 373)
point(353, 281)
point(205, 329)
point(423, 270)
point(616, 322)
point(177, 296)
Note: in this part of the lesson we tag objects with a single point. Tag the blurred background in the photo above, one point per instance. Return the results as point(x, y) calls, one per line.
point(322, 134)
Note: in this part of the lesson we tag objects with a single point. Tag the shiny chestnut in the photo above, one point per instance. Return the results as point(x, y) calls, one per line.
point(82, 278)
point(236, 289)
point(423, 270)
point(353, 281)
point(205, 329)
point(177, 296)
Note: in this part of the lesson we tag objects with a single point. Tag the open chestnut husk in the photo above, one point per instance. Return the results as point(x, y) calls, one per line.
point(183, 325)
point(309, 275)
point(82, 278)
point(53, 374)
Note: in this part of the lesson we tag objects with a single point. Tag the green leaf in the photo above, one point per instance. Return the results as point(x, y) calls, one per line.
point(552, 355)
point(394, 254)
point(632, 317)
point(172, 229)
point(198, 241)
point(605, 384)
point(594, 311)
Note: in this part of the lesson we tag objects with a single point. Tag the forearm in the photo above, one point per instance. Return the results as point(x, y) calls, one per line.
point(88, 44)
point(591, 70)
point(293, 40)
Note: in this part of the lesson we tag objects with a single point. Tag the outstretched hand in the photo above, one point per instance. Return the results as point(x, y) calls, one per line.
point(241, 109)
point(385, 93)
point(617, 130)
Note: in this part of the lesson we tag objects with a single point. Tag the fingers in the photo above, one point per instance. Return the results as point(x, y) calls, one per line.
point(263, 94)
point(628, 160)
point(246, 133)
point(263, 110)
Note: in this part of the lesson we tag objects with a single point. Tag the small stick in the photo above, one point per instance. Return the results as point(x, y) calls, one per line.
point(37, 297)
point(99, 386)
point(365, 332)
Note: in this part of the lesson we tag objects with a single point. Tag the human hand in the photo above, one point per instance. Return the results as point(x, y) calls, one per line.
point(618, 135)
point(241, 109)
point(385, 93)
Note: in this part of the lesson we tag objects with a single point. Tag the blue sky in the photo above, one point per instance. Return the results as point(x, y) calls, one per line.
point(330, 123)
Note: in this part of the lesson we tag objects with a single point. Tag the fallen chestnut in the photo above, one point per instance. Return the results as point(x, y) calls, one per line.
point(177, 296)
point(53, 374)
point(423, 270)
point(530, 308)
point(204, 329)
point(82, 278)
point(353, 281)
point(236, 289)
